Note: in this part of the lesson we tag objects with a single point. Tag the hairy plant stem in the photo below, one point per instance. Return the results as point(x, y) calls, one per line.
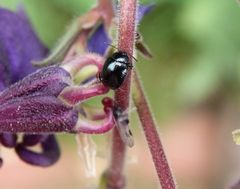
point(126, 35)
point(150, 130)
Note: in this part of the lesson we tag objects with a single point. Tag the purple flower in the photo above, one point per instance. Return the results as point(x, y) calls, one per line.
point(46, 101)
point(18, 46)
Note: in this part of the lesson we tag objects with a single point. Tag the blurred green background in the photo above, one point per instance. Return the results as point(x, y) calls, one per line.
point(196, 67)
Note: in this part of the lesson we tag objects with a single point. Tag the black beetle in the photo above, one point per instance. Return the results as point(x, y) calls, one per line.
point(115, 70)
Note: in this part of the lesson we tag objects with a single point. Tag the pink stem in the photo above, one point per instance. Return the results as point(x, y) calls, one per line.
point(83, 126)
point(77, 63)
point(154, 143)
point(93, 113)
point(73, 95)
point(114, 176)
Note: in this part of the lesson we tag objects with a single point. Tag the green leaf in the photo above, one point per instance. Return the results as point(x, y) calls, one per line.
point(75, 7)
point(201, 79)
point(49, 20)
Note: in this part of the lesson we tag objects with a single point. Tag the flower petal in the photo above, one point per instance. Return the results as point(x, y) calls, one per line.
point(31, 140)
point(19, 45)
point(2, 85)
point(50, 153)
point(47, 81)
point(143, 10)
point(36, 114)
point(8, 140)
point(99, 40)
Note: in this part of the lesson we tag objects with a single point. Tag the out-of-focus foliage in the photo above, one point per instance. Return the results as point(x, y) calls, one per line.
point(212, 26)
point(196, 52)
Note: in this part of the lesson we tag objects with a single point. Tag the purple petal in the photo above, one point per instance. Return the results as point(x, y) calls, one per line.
point(31, 140)
point(36, 114)
point(8, 140)
point(98, 42)
point(5, 76)
point(22, 14)
point(142, 11)
point(18, 46)
point(50, 153)
point(2, 85)
point(46, 81)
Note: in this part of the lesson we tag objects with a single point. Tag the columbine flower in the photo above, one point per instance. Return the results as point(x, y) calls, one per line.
point(18, 46)
point(45, 101)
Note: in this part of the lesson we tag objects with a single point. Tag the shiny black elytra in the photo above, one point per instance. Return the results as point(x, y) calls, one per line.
point(115, 70)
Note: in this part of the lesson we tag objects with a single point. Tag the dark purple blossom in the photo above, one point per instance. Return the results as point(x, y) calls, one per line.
point(32, 105)
point(48, 81)
point(46, 101)
point(18, 46)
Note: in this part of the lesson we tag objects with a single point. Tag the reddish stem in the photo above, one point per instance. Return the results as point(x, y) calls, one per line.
point(154, 143)
point(126, 37)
